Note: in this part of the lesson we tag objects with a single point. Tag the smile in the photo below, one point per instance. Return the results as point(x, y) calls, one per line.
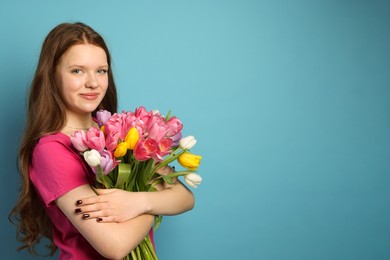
point(90, 96)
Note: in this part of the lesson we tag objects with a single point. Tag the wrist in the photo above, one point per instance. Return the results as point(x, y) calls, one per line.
point(147, 203)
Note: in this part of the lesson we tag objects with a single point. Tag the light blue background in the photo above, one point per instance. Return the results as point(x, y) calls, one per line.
point(289, 101)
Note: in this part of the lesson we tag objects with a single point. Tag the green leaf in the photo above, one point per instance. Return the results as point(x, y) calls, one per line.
point(107, 182)
point(168, 179)
point(168, 116)
point(124, 171)
point(146, 174)
point(103, 179)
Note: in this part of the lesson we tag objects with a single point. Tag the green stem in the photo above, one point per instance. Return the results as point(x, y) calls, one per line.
point(151, 250)
point(138, 251)
point(133, 254)
point(94, 190)
point(171, 157)
point(157, 181)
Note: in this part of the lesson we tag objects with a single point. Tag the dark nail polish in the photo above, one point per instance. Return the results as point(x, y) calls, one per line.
point(79, 202)
point(85, 216)
point(77, 210)
point(99, 219)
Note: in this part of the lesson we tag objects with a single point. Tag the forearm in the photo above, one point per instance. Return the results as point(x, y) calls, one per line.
point(116, 240)
point(112, 240)
point(114, 205)
point(173, 200)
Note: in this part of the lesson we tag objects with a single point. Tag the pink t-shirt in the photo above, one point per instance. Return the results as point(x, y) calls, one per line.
point(56, 169)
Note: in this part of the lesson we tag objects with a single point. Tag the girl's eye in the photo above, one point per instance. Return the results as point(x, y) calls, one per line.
point(102, 71)
point(76, 71)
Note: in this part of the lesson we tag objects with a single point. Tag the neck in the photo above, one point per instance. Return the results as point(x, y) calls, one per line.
point(79, 128)
point(79, 122)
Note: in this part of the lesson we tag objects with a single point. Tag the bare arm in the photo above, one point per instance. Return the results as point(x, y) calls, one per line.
point(113, 205)
point(172, 200)
point(111, 240)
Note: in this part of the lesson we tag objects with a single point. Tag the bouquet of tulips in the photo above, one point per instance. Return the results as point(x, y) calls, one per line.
point(128, 148)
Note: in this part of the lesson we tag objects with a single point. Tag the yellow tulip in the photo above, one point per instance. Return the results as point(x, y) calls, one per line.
point(121, 150)
point(132, 138)
point(189, 160)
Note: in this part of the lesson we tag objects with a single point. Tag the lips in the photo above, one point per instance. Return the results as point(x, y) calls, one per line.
point(90, 96)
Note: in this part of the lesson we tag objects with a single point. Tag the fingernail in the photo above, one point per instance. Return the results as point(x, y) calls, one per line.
point(77, 210)
point(85, 216)
point(99, 219)
point(79, 202)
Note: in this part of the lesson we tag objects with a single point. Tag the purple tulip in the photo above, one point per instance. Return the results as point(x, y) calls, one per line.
point(102, 116)
point(107, 161)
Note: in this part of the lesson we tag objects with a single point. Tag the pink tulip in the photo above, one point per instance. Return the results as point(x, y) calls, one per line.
point(157, 129)
point(174, 126)
point(95, 139)
point(132, 121)
point(164, 148)
point(144, 149)
point(111, 142)
point(142, 114)
point(114, 126)
point(79, 140)
point(139, 119)
point(128, 121)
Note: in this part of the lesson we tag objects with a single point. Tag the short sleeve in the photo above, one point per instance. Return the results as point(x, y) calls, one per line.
point(55, 170)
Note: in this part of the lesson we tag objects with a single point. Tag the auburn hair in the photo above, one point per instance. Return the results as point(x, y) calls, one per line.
point(46, 115)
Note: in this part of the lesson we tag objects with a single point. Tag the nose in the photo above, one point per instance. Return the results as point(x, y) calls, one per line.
point(91, 81)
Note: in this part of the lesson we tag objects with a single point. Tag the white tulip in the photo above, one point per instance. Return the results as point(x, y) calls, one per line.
point(187, 142)
point(92, 157)
point(193, 180)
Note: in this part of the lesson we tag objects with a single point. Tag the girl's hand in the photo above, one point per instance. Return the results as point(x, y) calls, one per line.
point(165, 170)
point(115, 205)
point(112, 205)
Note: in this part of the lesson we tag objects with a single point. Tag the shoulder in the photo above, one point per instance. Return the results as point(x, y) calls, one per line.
point(54, 149)
point(56, 167)
point(54, 139)
point(54, 144)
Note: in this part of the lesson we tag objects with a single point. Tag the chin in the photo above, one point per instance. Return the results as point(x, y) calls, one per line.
point(92, 107)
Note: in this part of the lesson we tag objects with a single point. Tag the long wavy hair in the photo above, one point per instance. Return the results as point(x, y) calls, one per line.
point(45, 115)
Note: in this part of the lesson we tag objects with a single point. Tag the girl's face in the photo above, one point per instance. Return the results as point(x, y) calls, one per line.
point(82, 76)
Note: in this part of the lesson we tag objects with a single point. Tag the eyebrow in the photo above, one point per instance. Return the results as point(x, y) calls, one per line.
point(83, 67)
